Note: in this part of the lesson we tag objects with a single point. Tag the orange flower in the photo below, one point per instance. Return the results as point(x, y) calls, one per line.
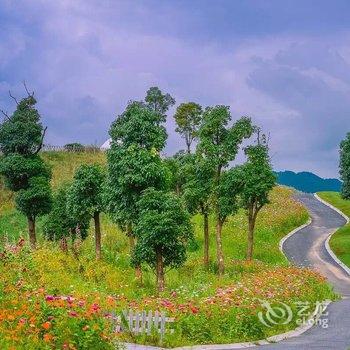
point(46, 325)
point(47, 337)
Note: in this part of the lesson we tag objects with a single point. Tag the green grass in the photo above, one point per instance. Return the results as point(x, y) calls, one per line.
point(233, 305)
point(340, 241)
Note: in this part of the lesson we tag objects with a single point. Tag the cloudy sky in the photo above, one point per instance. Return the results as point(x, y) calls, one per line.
point(284, 63)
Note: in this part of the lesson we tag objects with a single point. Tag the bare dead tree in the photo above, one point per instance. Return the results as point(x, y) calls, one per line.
point(5, 114)
point(41, 141)
point(13, 97)
point(25, 86)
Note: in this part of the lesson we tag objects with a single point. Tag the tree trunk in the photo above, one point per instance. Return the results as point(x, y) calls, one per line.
point(219, 252)
point(206, 240)
point(138, 270)
point(251, 225)
point(64, 244)
point(32, 233)
point(178, 190)
point(160, 272)
point(97, 235)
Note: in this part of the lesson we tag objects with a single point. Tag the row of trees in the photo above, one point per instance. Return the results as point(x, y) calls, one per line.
point(148, 196)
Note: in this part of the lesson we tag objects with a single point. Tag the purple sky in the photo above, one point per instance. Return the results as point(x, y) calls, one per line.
point(284, 63)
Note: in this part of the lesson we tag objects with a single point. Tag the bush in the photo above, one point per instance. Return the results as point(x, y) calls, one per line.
point(74, 147)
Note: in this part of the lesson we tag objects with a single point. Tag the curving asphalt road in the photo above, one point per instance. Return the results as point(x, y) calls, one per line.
point(307, 248)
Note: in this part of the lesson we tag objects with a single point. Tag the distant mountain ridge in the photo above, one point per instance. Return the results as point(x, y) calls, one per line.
point(307, 182)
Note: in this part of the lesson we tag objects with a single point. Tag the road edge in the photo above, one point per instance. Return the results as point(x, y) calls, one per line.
point(284, 238)
point(327, 245)
point(273, 339)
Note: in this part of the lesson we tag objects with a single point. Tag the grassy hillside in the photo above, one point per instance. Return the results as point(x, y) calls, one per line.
point(193, 295)
point(340, 241)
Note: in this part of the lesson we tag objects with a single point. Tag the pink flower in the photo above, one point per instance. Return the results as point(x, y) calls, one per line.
point(72, 314)
point(49, 298)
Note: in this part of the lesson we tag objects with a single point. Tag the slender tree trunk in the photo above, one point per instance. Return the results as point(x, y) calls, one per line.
point(160, 272)
point(219, 252)
point(206, 239)
point(252, 214)
point(97, 235)
point(64, 244)
point(219, 223)
point(178, 190)
point(188, 148)
point(138, 270)
point(32, 233)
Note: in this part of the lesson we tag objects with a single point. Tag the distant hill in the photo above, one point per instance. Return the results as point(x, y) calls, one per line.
point(307, 182)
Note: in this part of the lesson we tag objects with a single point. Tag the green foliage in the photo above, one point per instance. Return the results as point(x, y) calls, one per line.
point(139, 125)
point(22, 132)
point(158, 102)
point(134, 163)
point(60, 222)
point(229, 189)
point(218, 142)
point(340, 240)
point(36, 199)
point(130, 171)
point(21, 138)
point(86, 194)
point(188, 118)
point(181, 169)
point(18, 170)
point(197, 190)
point(162, 226)
point(344, 166)
point(257, 177)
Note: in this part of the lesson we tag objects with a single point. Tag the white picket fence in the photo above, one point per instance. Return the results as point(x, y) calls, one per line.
point(143, 322)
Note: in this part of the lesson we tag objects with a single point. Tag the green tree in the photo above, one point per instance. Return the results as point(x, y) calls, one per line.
point(21, 139)
point(181, 169)
point(60, 224)
point(163, 229)
point(344, 166)
point(258, 180)
point(86, 197)
point(134, 163)
point(188, 118)
point(158, 102)
point(197, 192)
point(218, 145)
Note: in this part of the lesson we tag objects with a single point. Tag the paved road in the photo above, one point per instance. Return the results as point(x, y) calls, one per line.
point(307, 248)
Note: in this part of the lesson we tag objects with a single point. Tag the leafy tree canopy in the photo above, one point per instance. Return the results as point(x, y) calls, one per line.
point(86, 194)
point(219, 143)
point(60, 222)
point(130, 171)
point(158, 102)
point(139, 125)
point(229, 190)
point(257, 176)
point(188, 117)
point(163, 226)
point(197, 190)
point(25, 125)
point(36, 200)
point(18, 170)
point(181, 169)
point(344, 166)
